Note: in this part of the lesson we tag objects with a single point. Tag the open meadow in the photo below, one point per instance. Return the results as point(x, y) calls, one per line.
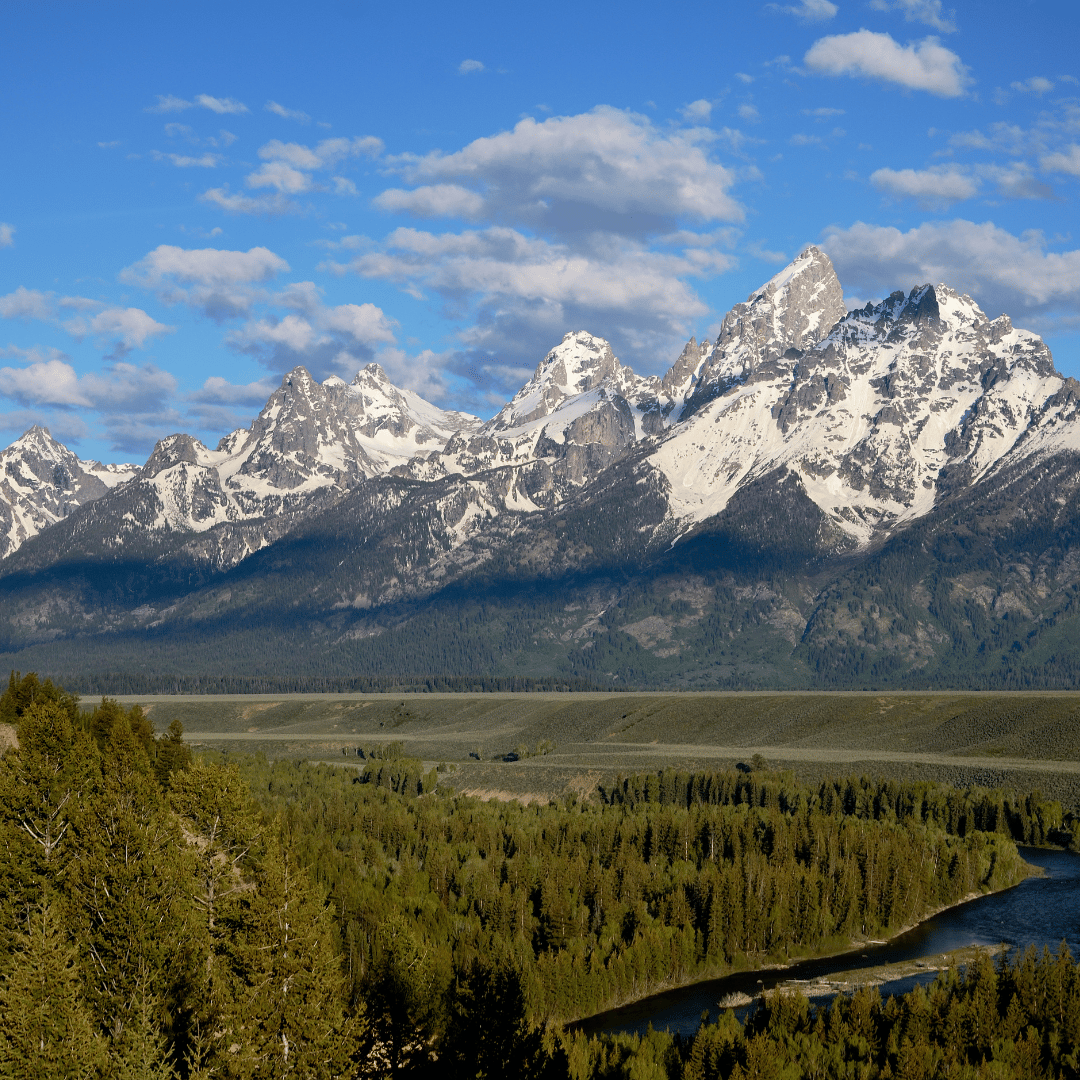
point(570, 743)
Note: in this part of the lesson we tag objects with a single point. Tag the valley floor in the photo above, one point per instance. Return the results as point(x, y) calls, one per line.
point(570, 743)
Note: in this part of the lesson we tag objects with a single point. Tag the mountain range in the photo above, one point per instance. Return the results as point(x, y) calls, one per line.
point(819, 497)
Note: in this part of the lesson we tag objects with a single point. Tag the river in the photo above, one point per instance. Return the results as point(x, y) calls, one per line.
point(1041, 911)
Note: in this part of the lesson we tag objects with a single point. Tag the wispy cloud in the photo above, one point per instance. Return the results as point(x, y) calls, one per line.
point(808, 10)
point(170, 103)
point(928, 12)
point(185, 161)
point(1037, 84)
point(288, 169)
point(7, 234)
point(287, 114)
point(470, 67)
point(930, 188)
point(697, 112)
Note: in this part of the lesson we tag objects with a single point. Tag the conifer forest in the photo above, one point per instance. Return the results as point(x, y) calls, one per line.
point(170, 915)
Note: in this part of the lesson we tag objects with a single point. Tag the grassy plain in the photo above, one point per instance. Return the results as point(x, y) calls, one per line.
point(1017, 740)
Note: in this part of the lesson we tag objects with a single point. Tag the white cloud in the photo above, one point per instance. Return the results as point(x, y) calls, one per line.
point(748, 112)
point(1004, 138)
point(432, 200)
point(808, 10)
point(50, 381)
point(522, 292)
point(221, 105)
point(129, 327)
point(470, 67)
point(604, 170)
point(806, 140)
point(287, 169)
point(224, 406)
point(325, 155)
point(1003, 272)
point(26, 303)
point(1062, 161)
point(287, 114)
point(823, 112)
point(167, 103)
point(364, 323)
point(924, 65)
point(743, 77)
point(327, 340)
point(219, 391)
point(203, 266)
point(937, 187)
point(237, 203)
point(282, 177)
point(928, 12)
point(217, 282)
point(7, 234)
point(1035, 85)
point(1016, 181)
point(697, 112)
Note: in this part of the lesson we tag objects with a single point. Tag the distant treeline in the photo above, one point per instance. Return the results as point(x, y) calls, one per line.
point(137, 683)
point(1027, 818)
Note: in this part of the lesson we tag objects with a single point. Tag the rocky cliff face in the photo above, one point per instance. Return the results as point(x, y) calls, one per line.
point(42, 481)
point(897, 403)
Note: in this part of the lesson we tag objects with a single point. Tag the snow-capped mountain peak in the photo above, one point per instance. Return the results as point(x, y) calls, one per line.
point(42, 481)
point(793, 310)
point(873, 416)
point(579, 363)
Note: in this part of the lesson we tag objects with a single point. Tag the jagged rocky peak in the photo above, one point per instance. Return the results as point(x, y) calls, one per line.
point(380, 406)
point(798, 306)
point(42, 481)
point(578, 364)
point(793, 310)
point(174, 450)
point(685, 369)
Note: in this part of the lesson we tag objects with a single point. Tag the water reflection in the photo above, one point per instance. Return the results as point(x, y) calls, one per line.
point(1040, 912)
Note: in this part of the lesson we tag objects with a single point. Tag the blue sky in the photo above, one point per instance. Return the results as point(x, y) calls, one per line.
point(194, 199)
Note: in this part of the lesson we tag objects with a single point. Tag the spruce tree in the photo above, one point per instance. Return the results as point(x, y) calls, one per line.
point(126, 890)
point(287, 1018)
point(45, 1028)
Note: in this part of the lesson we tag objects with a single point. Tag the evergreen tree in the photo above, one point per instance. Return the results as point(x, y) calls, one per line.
point(287, 1018)
point(488, 1035)
point(127, 890)
point(42, 785)
point(45, 1029)
point(212, 806)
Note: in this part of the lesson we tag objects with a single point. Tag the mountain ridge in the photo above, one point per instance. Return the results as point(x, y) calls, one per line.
point(755, 482)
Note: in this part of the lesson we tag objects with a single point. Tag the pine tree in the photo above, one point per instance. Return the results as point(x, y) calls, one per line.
point(141, 1052)
point(126, 889)
point(287, 1019)
point(42, 784)
point(45, 1029)
point(221, 829)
